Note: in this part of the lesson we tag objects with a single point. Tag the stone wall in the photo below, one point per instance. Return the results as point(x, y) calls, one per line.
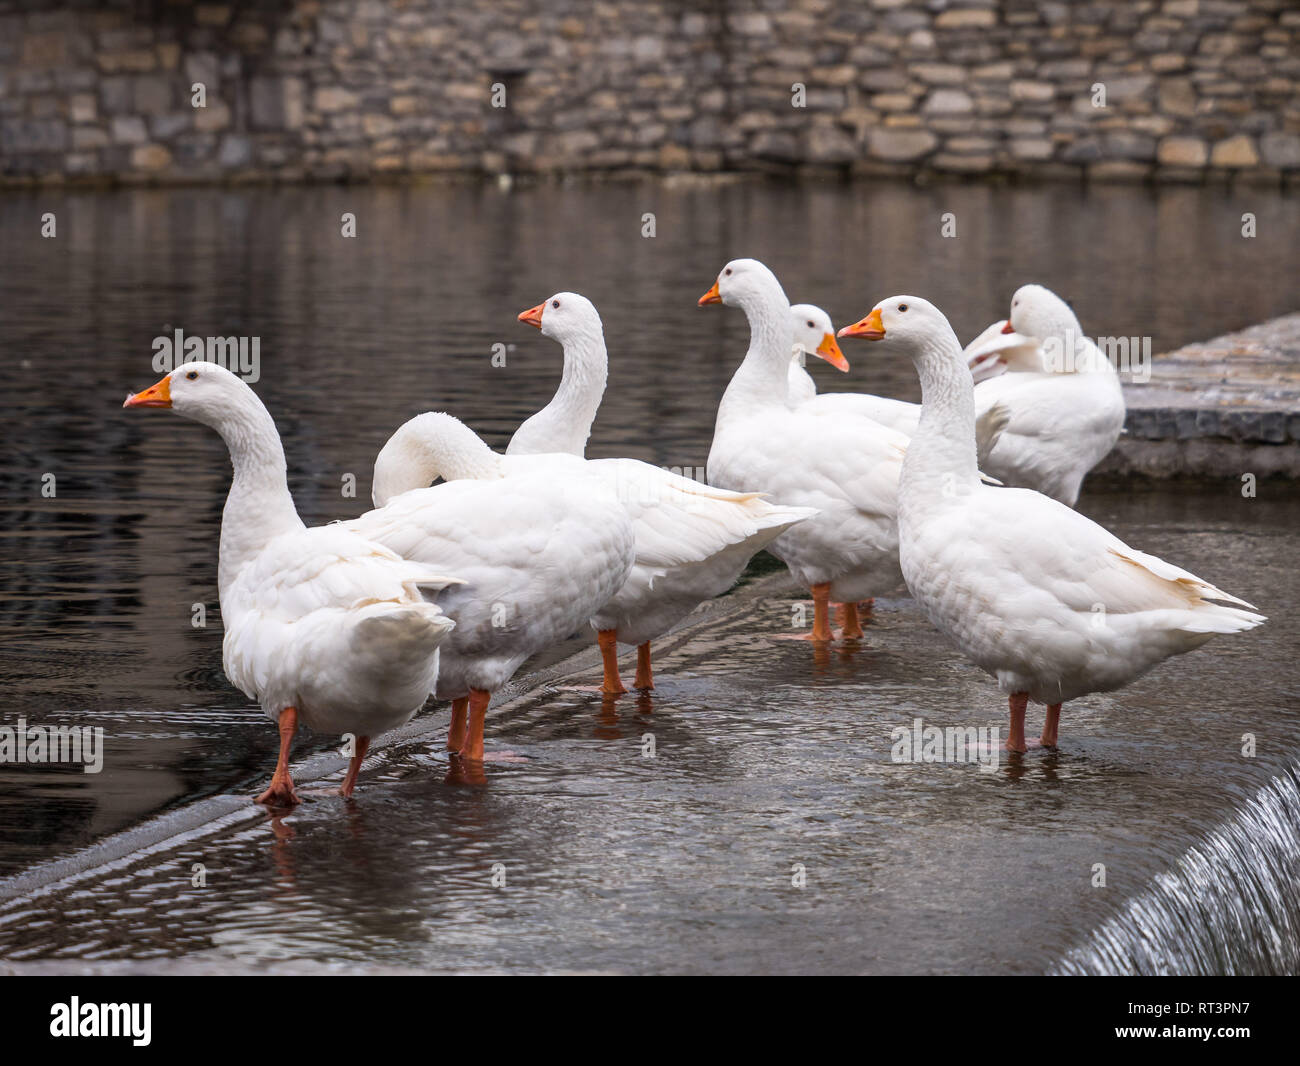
point(333, 89)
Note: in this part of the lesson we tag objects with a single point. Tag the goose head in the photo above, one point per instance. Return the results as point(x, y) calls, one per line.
point(1038, 313)
point(745, 283)
point(910, 323)
point(565, 317)
point(815, 334)
point(202, 392)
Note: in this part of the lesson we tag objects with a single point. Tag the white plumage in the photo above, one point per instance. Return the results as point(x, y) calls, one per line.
point(323, 626)
point(811, 324)
point(691, 541)
point(1061, 395)
point(1047, 601)
point(840, 462)
point(539, 542)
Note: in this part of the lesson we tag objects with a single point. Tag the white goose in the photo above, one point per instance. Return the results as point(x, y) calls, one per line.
point(839, 461)
point(1062, 396)
point(814, 333)
point(692, 541)
point(540, 543)
point(1047, 601)
point(323, 626)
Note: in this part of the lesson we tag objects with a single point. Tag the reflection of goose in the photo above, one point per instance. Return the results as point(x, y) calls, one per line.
point(692, 541)
point(1047, 601)
point(322, 626)
point(540, 542)
point(1062, 397)
point(840, 462)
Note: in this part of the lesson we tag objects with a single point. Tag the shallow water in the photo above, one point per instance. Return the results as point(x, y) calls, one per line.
point(766, 758)
point(768, 754)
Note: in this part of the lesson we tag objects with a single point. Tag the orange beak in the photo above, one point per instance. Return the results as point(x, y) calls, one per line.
point(533, 316)
point(710, 297)
point(159, 395)
point(830, 351)
point(1008, 328)
point(871, 328)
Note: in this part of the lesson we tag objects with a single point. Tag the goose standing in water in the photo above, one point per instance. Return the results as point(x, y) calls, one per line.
point(840, 462)
point(1047, 601)
point(324, 628)
point(692, 541)
point(540, 543)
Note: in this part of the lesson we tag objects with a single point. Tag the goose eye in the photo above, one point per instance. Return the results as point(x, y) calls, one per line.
point(727, 271)
point(193, 375)
point(555, 303)
point(902, 307)
point(810, 325)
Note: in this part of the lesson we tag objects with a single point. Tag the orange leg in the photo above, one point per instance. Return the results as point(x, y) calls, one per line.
point(850, 626)
point(1017, 701)
point(281, 793)
point(354, 767)
point(1051, 725)
point(821, 595)
point(608, 641)
point(456, 730)
point(644, 677)
point(472, 750)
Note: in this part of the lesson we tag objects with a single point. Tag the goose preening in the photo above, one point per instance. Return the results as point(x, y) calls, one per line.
point(692, 540)
point(540, 542)
point(1047, 601)
point(1000, 349)
point(324, 627)
point(1061, 395)
point(843, 463)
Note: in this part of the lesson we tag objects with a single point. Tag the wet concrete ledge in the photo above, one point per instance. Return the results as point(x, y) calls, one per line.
point(1219, 409)
point(167, 830)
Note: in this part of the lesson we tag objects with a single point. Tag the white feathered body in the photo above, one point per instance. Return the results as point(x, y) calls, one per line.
point(692, 543)
point(539, 551)
point(1059, 426)
point(336, 626)
point(844, 466)
point(1046, 600)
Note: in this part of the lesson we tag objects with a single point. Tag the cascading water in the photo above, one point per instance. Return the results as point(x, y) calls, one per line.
point(1230, 905)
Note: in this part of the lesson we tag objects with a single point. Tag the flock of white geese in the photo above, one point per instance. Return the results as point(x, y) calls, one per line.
point(447, 588)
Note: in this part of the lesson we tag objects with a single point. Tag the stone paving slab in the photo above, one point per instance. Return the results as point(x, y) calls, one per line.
point(1217, 408)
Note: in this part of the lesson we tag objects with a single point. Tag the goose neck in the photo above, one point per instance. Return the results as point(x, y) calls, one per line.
point(564, 424)
point(428, 447)
point(258, 507)
point(940, 462)
point(763, 376)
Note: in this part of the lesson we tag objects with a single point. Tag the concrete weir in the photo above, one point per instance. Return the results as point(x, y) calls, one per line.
point(1222, 408)
point(773, 814)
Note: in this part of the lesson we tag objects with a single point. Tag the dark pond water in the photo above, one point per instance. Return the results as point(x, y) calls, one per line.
point(97, 585)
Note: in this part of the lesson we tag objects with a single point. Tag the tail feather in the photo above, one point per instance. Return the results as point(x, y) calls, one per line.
point(988, 428)
point(397, 632)
point(1215, 619)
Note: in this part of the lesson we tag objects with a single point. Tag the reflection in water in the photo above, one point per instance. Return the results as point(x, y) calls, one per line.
point(768, 752)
